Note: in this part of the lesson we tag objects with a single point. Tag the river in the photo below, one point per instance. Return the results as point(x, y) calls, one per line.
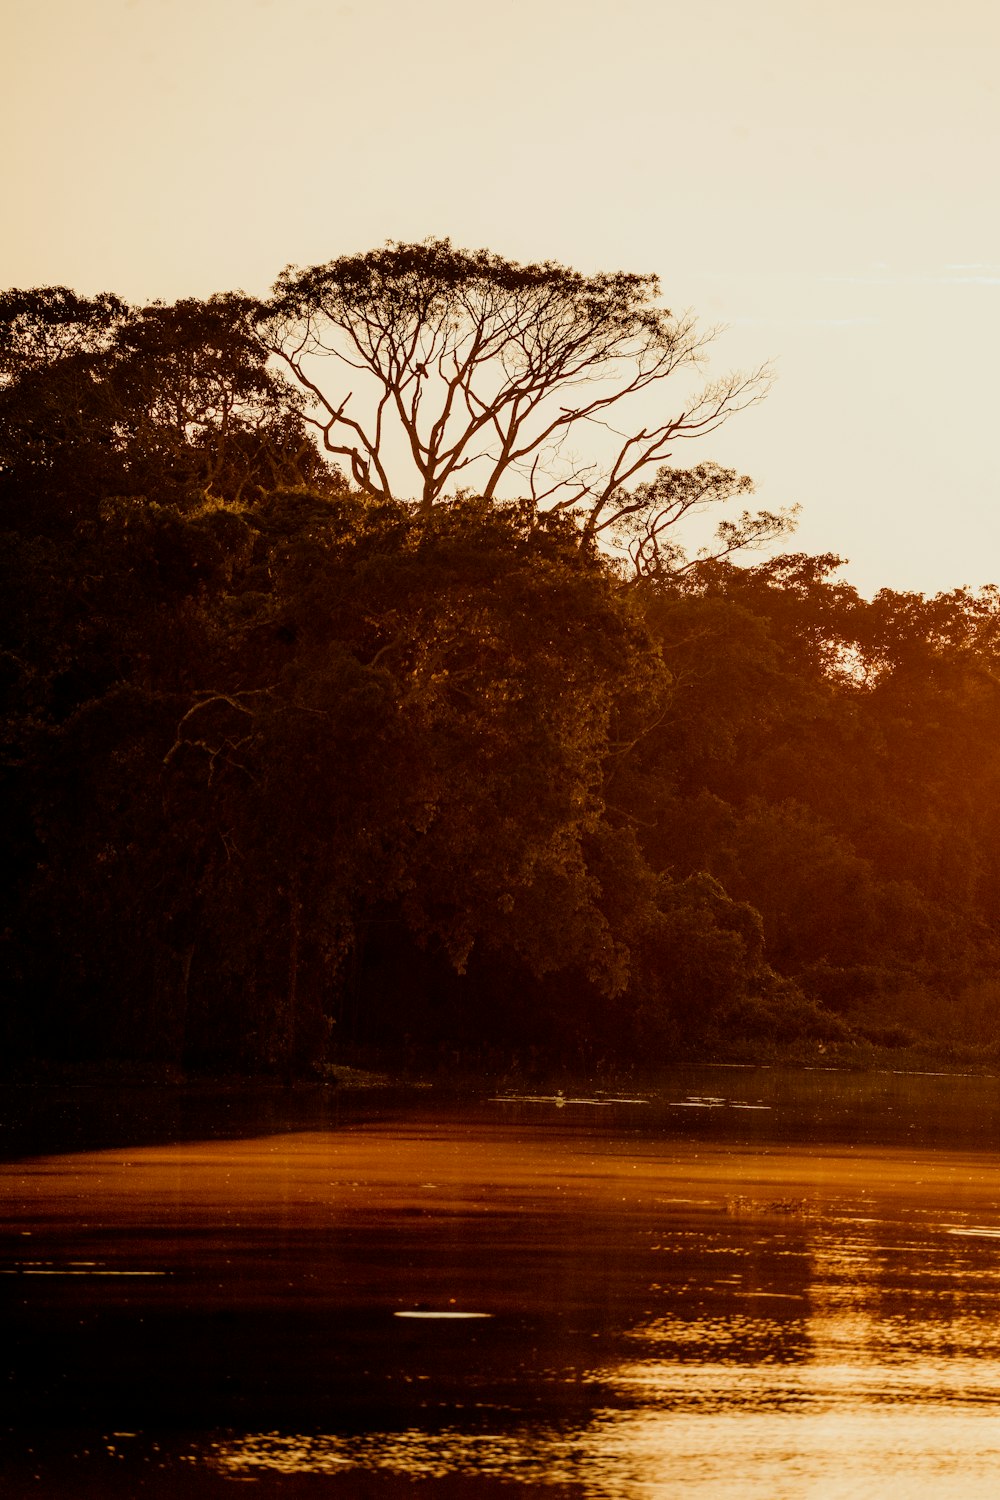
point(743, 1284)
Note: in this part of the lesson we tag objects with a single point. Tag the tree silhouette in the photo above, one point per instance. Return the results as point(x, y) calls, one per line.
point(170, 403)
point(464, 370)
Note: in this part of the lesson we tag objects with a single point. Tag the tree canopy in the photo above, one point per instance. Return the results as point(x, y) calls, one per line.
point(463, 370)
point(299, 769)
point(99, 399)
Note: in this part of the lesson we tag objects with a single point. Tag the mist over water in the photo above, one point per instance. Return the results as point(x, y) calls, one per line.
point(532, 1296)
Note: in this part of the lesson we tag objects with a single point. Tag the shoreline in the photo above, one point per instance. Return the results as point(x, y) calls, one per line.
point(79, 1110)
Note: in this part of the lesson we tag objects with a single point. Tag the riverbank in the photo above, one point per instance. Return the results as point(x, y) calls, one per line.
point(53, 1111)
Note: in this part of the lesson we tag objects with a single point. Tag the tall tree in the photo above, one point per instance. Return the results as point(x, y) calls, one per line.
point(459, 369)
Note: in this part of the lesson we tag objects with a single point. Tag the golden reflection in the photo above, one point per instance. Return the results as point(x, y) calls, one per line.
point(539, 1453)
point(846, 1356)
point(722, 1453)
point(630, 1317)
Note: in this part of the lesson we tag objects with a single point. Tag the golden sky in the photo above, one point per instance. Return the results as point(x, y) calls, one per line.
point(817, 175)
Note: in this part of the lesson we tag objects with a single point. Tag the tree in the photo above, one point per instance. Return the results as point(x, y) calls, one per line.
point(39, 327)
point(400, 744)
point(645, 523)
point(199, 404)
point(171, 403)
point(469, 371)
point(425, 769)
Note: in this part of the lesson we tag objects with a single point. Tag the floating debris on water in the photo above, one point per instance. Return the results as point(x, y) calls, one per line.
point(714, 1101)
point(559, 1099)
point(418, 1312)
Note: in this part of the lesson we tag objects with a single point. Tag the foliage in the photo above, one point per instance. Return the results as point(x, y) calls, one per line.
point(294, 766)
point(172, 404)
point(832, 761)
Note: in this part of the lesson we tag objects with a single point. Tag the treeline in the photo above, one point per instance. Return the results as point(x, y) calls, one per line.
point(298, 771)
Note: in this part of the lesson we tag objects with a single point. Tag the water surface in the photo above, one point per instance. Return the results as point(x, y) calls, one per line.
point(532, 1298)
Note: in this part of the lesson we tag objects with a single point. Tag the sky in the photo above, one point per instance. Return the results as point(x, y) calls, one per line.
point(815, 176)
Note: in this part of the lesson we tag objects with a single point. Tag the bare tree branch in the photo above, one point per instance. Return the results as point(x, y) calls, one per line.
point(481, 367)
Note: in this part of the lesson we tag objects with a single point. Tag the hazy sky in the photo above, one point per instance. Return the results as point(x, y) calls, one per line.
point(817, 175)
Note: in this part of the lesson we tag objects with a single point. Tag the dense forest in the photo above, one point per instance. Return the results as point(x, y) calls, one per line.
point(494, 763)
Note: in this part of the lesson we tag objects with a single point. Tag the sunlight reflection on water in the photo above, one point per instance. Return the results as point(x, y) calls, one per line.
point(727, 1448)
point(614, 1318)
point(879, 1374)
